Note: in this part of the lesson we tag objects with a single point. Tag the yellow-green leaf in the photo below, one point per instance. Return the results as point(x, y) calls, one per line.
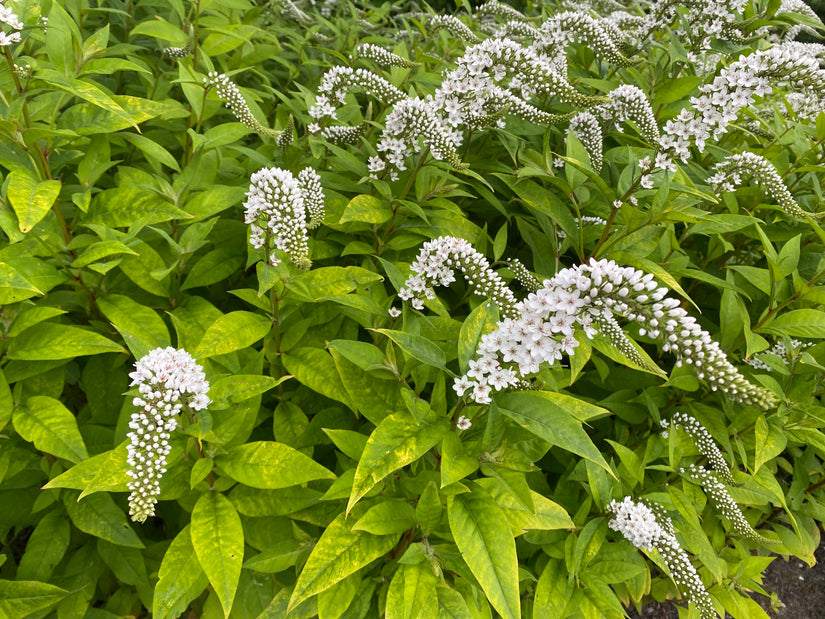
point(51, 341)
point(30, 198)
point(51, 426)
point(141, 327)
point(232, 332)
point(181, 578)
point(217, 537)
point(269, 466)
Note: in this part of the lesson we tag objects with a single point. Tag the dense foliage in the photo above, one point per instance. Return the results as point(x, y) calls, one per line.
point(316, 309)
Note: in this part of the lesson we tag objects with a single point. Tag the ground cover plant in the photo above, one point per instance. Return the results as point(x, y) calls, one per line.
point(386, 310)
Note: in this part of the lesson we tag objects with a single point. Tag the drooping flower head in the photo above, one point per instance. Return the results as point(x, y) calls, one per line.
point(168, 380)
point(230, 93)
point(280, 209)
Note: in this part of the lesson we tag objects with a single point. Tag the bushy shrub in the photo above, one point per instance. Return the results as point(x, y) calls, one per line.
point(316, 309)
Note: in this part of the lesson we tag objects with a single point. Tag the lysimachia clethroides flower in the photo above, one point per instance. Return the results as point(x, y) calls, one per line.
point(280, 209)
point(639, 525)
point(540, 329)
point(9, 19)
point(230, 93)
point(169, 381)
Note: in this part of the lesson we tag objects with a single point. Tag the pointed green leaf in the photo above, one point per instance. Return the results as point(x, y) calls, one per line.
point(104, 472)
point(481, 320)
point(238, 388)
point(30, 198)
point(412, 593)
point(141, 327)
point(231, 332)
point(51, 426)
point(483, 536)
point(391, 516)
point(316, 369)
point(99, 516)
point(339, 552)
point(218, 539)
point(428, 510)
point(52, 341)
point(556, 418)
point(330, 282)
point(418, 347)
point(269, 465)
point(15, 287)
point(397, 441)
point(799, 323)
point(366, 208)
point(46, 547)
point(181, 578)
point(23, 598)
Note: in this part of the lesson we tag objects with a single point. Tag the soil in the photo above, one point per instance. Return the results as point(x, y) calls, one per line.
point(801, 591)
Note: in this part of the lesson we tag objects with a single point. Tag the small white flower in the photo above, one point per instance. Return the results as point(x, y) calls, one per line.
point(463, 423)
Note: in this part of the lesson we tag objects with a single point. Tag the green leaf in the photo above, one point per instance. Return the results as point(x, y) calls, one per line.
point(412, 593)
point(481, 320)
point(46, 547)
point(340, 551)
point(231, 332)
point(553, 590)
point(238, 388)
point(98, 515)
point(366, 208)
point(556, 418)
point(391, 516)
point(104, 472)
point(52, 341)
point(86, 90)
point(548, 515)
point(30, 198)
point(330, 282)
point(483, 536)
point(102, 249)
point(418, 347)
point(15, 287)
point(454, 464)
point(270, 465)
point(218, 540)
point(124, 207)
point(141, 327)
point(397, 441)
point(428, 510)
point(151, 150)
point(181, 578)
point(799, 323)
point(52, 428)
point(769, 441)
point(316, 369)
point(22, 598)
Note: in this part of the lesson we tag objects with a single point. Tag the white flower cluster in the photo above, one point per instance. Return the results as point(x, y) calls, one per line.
point(381, 56)
point(629, 102)
point(779, 349)
point(338, 81)
point(540, 329)
point(436, 264)
point(453, 25)
point(731, 90)
point(799, 7)
point(343, 134)
point(729, 175)
point(704, 443)
point(639, 525)
point(167, 380)
point(277, 208)
point(586, 127)
point(723, 501)
point(178, 52)
point(585, 220)
point(296, 13)
point(523, 276)
point(498, 9)
point(230, 93)
point(287, 134)
point(579, 26)
point(701, 20)
point(10, 18)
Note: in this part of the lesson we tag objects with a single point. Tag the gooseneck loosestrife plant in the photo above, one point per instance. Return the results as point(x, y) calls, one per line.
point(315, 309)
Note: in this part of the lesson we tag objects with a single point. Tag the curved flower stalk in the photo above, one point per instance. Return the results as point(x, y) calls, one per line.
point(168, 380)
point(10, 19)
point(178, 52)
point(629, 102)
point(799, 7)
point(703, 19)
point(585, 127)
point(297, 14)
point(338, 81)
point(789, 357)
point(497, 9)
point(517, 28)
point(704, 443)
point(733, 89)
point(585, 220)
point(584, 297)
point(729, 175)
point(343, 134)
point(523, 276)
point(453, 25)
point(722, 500)
point(578, 26)
point(639, 525)
point(381, 56)
point(277, 207)
point(230, 93)
point(436, 265)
